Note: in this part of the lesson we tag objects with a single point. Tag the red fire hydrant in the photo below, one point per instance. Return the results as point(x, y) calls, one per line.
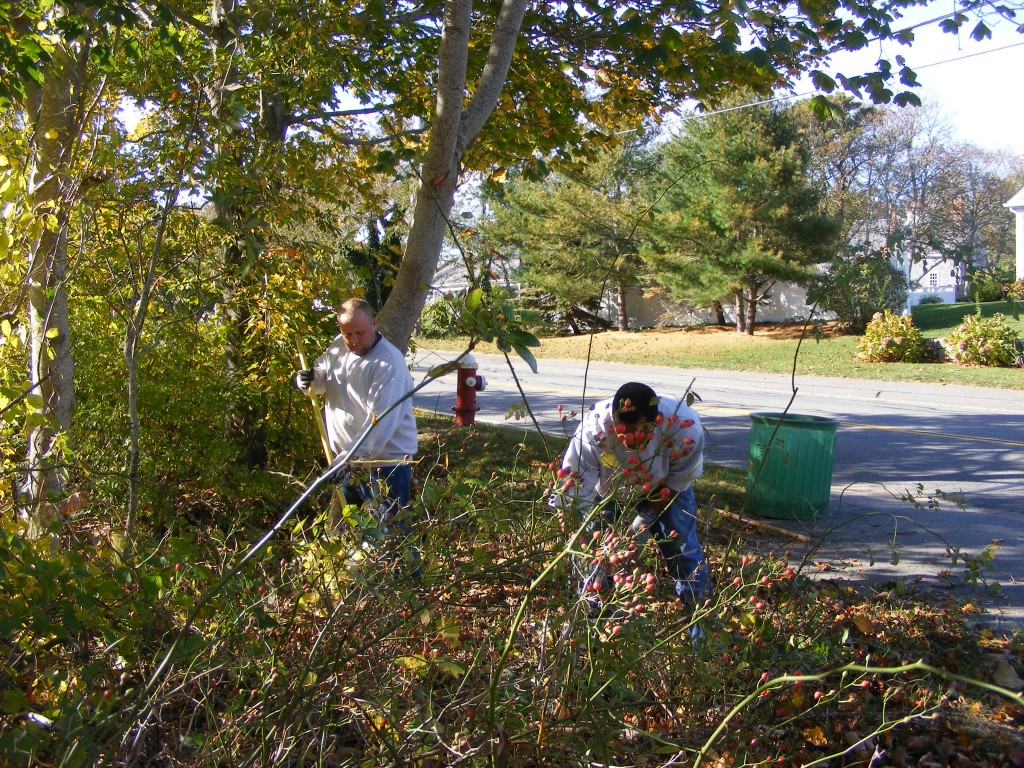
point(465, 392)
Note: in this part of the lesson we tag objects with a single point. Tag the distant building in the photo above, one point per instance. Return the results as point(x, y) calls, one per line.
point(1016, 204)
point(934, 275)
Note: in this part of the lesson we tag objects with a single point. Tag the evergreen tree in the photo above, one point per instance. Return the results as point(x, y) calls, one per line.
point(734, 210)
point(576, 233)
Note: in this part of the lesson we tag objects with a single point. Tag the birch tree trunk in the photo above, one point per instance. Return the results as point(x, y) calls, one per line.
point(53, 115)
point(452, 130)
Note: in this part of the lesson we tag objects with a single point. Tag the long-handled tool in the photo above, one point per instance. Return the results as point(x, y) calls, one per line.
point(315, 403)
point(321, 427)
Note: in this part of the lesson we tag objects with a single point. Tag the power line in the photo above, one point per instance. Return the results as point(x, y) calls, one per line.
point(970, 55)
point(789, 97)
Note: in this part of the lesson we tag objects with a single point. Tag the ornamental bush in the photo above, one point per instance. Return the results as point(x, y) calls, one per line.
point(982, 341)
point(892, 338)
point(986, 286)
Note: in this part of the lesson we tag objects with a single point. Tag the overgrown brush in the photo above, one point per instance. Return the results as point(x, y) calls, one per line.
point(324, 652)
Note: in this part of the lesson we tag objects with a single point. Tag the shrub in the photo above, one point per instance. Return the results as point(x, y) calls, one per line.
point(982, 341)
point(317, 651)
point(892, 338)
point(857, 289)
point(439, 320)
point(986, 286)
point(1015, 290)
point(931, 299)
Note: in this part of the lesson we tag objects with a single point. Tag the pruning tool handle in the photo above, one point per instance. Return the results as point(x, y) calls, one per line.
point(315, 402)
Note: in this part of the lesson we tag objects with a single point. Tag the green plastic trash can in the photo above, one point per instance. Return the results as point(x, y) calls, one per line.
point(790, 474)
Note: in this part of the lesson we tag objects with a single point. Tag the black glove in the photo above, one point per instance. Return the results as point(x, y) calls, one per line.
point(303, 379)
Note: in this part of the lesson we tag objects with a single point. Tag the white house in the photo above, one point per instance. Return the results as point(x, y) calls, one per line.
point(1016, 204)
point(934, 276)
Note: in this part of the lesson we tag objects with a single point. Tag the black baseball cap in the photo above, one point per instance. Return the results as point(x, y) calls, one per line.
point(633, 401)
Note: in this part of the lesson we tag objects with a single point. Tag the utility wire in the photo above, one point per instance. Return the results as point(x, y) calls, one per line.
point(791, 96)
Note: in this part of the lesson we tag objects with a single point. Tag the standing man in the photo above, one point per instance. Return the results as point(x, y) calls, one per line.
point(361, 375)
point(638, 453)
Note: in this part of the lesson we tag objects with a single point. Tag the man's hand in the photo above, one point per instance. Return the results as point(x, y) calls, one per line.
point(303, 379)
point(659, 498)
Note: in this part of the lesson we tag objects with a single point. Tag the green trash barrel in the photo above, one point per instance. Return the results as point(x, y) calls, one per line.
point(790, 474)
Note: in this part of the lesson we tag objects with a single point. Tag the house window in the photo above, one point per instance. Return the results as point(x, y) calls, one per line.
point(933, 280)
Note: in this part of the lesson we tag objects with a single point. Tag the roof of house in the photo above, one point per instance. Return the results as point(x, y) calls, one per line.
point(1017, 201)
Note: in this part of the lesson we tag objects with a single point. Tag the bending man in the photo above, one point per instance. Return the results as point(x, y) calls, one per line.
point(638, 453)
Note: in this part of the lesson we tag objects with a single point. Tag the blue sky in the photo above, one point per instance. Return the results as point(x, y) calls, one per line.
point(977, 85)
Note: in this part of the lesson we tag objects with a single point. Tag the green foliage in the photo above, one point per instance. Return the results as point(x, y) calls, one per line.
point(439, 320)
point(491, 317)
point(576, 232)
point(320, 650)
point(982, 341)
point(856, 289)
point(931, 299)
point(734, 210)
point(891, 338)
point(986, 286)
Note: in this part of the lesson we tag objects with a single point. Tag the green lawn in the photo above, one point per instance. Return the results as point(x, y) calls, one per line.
point(938, 320)
point(773, 349)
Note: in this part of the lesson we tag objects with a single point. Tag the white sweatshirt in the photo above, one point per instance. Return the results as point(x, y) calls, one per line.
point(357, 390)
point(674, 456)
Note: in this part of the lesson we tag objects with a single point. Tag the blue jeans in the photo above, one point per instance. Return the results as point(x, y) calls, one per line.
point(389, 492)
point(390, 489)
point(683, 554)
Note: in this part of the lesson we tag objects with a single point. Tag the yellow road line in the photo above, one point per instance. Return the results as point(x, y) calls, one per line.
point(950, 435)
point(858, 425)
point(699, 406)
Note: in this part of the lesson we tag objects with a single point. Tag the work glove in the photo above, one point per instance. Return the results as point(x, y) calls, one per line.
point(303, 379)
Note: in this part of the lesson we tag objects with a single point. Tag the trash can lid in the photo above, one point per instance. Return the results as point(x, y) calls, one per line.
point(795, 419)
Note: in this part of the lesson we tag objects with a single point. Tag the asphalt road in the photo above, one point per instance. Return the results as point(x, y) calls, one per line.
point(958, 450)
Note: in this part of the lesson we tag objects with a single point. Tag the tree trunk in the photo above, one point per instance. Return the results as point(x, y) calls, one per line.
point(719, 311)
point(245, 422)
point(52, 111)
point(452, 130)
point(132, 365)
point(136, 321)
point(741, 313)
point(620, 302)
point(751, 310)
point(246, 419)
